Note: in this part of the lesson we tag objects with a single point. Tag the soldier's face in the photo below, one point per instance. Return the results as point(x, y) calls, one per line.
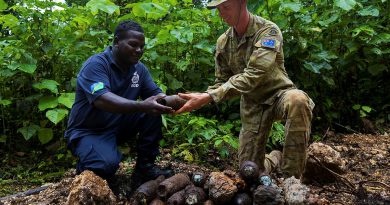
point(130, 47)
point(229, 11)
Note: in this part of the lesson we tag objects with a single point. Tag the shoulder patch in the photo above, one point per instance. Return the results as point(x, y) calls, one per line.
point(96, 87)
point(273, 32)
point(266, 42)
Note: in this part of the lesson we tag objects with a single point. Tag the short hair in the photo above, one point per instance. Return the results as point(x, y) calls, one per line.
point(127, 25)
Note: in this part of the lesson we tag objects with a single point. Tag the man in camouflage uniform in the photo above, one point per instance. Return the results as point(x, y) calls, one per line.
point(250, 63)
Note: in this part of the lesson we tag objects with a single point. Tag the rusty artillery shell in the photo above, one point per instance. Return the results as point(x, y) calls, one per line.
point(208, 202)
point(194, 195)
point(198, 179)
point(242, 199)
point(173, 101)
point(148, 190)
point(173, 184)
point(249, 171)
point(157, 201)
point(177, 198)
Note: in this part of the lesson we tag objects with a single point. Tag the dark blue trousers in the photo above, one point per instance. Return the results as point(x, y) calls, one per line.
point(99, 152)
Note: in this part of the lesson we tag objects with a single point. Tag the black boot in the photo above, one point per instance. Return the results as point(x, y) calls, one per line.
point(149, 171)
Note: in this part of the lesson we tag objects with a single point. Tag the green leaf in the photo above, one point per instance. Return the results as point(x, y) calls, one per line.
point(356, 107)
point(291, 6)
point(369, 11)
point(330, 20)
point(316, 67)
point(204, 45)
point(67, 99)
point(377, 69)
point(47, 102)
point(9, 20)
point(187, 155)
point(345, 4)
point(56, 115)
point(47, 84)
point(367, 109)
point(164, 121)
point(27, 68)
point(149, 10)
point(45, 135)
point(3, 5)
point(5, 102)
point(217, 142)
point(103, 5)
point(28, 131)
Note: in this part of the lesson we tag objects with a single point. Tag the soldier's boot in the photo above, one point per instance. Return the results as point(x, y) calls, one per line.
point(149, 171)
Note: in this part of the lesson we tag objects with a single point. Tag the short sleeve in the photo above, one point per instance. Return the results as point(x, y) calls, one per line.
point(93, 80)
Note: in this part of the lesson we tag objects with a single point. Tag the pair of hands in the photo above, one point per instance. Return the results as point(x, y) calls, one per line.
point(194, 101)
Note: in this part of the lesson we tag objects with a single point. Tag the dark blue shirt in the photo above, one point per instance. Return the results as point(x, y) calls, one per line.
point(98, 75)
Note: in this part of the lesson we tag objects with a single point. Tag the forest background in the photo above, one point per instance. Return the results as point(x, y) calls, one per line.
point(337, 51)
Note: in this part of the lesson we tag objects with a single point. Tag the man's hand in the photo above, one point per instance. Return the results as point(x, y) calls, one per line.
point(150, 105)
point(194, 101)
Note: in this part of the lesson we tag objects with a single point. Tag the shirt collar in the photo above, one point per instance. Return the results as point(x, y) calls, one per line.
point(251, 29)
point(111, 59)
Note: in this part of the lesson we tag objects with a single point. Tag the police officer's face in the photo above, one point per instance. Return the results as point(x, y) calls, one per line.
point(229, 11)
point(130, 47)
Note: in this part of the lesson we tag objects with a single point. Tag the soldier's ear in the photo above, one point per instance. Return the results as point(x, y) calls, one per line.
point(116, 40)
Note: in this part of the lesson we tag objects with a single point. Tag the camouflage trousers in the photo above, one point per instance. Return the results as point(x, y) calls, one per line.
point(294, 107)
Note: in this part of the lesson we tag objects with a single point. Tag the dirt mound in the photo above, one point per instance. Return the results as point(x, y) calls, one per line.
point(366, 179)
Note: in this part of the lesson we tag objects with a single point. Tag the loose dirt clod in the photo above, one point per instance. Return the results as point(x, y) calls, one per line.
point(88, 188)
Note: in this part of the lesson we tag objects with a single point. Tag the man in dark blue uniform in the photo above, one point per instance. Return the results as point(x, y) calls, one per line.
point(107, 108)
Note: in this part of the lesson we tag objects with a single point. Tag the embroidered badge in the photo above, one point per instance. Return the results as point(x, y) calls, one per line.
point(96, 87)
point(273, 32)
point(269, 43)
point(135, 80)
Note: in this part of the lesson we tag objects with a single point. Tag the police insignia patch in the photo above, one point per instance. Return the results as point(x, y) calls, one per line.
point(96, 87)
point(269, 43)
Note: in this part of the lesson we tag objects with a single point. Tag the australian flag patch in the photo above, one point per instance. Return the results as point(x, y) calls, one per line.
point(269, 43)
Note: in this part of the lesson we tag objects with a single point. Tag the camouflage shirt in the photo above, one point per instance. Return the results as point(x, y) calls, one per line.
point(251, 66)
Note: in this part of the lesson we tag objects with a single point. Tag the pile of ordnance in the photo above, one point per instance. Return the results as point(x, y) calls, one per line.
point(228, 187)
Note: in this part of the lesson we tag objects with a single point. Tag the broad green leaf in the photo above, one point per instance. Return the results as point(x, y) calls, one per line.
point(5, 102)
point(45, 135)
point(47, 84)
point(356, 107)
point(56, 115)
point(47, 102)
point(291, 6)
point(217, 143)
point(9, 20)
point(316, 67)
point(3, 5)
point(28, 68)
point(204, 45)
point(377, 69)
point(28, 131)
point(345, 4)
point(367, 109)
point(328, 21)
point(103, 5)
point(67, 99)
point(149, 10)
point(369, 11)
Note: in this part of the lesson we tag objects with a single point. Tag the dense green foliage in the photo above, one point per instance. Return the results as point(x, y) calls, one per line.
point(337, 51)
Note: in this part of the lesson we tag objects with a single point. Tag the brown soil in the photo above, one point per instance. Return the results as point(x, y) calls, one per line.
point(366, 182)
